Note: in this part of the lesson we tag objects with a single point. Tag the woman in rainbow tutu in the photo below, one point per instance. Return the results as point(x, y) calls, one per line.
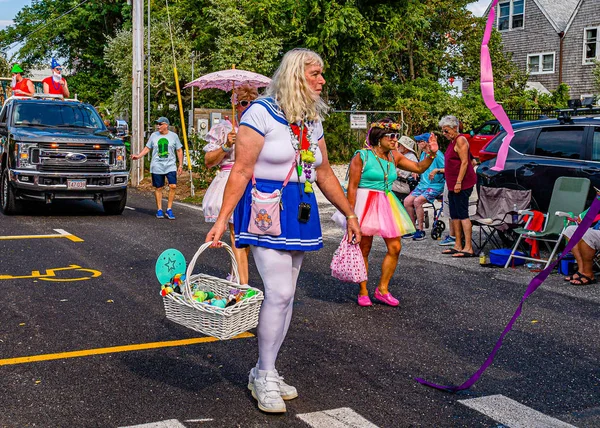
point(372, 173)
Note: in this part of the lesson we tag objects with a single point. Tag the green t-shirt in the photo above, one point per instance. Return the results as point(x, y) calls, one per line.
point(164, 149)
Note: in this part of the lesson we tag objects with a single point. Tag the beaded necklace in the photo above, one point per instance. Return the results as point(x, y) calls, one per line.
point(306, 150)
point(56, 88)
point(386, 172)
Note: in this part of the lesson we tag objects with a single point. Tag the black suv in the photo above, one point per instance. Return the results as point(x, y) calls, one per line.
point(543, 150)
point(59, 149)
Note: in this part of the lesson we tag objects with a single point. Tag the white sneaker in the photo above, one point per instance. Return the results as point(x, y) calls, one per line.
point(287, 392)
point(265, 389)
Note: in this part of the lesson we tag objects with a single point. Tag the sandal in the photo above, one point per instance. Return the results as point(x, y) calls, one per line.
point(462, 254)
point(450, 251)
point(570, 278)
point(583, 280)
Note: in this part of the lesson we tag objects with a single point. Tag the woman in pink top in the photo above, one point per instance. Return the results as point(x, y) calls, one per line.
point(460, 178)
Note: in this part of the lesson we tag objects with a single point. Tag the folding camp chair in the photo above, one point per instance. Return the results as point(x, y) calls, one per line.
point(497, 210)
point(569, 195)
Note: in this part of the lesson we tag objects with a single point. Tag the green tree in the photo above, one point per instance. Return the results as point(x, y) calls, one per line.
point(118, 56)
point(240, 39)
point(74, 34)
point(597, 75)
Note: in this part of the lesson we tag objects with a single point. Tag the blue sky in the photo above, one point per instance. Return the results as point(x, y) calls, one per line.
point(9, 8)
point(479, 7)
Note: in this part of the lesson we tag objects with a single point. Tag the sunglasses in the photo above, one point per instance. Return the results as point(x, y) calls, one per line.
point(445, 131)
point(244, 103)
point(392, 135)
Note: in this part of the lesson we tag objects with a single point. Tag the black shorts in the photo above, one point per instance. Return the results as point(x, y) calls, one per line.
point(158, 180)
point(459, 204)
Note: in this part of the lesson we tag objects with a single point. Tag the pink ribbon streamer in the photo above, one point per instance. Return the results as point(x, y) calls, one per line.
point(487, 90)
point(533, 285)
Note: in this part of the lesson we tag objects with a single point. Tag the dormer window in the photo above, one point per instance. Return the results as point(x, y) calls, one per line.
point(511, 15)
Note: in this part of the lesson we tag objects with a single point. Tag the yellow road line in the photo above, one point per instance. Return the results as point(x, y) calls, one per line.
point(61, 234)
point(113, 350)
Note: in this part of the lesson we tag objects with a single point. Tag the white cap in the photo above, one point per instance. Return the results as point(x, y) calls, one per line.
point(407, 142)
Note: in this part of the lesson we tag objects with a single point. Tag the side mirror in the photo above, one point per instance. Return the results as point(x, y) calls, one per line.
point(471, 133)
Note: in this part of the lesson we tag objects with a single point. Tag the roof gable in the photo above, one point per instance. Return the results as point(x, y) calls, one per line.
point(559, 13)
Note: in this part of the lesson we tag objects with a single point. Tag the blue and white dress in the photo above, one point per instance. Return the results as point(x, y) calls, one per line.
point(272, 166)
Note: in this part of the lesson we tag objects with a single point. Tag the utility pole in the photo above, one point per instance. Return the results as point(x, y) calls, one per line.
point(137, 92)
point(192, 110)
point(148, 69)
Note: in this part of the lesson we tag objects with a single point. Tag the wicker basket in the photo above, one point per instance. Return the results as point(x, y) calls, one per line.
point(222, 323)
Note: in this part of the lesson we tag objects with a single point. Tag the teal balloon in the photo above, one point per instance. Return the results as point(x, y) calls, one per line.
point(169, 263)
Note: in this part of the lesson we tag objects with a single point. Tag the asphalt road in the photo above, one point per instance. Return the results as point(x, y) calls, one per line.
point(338, 355)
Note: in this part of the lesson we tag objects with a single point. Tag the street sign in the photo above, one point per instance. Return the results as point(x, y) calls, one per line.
point(358, 121)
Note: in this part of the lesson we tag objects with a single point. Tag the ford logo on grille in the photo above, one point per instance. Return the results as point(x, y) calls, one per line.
point(76, 157)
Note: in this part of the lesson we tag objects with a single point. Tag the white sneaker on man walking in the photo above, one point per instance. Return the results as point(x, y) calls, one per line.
point(265, 389)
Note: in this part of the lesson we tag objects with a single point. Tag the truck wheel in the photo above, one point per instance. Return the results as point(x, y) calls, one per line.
point(115, 207)
point(8, 200)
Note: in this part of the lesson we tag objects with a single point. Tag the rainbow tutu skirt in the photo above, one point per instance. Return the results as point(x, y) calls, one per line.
point(381, 214)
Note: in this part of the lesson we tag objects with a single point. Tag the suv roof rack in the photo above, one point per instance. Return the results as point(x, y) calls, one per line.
point(564, 115)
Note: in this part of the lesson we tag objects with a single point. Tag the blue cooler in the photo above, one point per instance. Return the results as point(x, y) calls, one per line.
point(567, 265)
point(500, 256)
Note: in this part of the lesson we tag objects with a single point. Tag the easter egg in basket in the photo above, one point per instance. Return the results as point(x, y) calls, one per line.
point(170, 263)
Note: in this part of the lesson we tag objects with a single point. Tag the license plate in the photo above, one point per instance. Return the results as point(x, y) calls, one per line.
point(76, 184)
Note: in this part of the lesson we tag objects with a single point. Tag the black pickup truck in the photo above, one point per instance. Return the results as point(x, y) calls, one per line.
point(52, 148)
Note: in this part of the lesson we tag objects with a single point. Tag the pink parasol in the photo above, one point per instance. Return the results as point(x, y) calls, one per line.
point(228, 80)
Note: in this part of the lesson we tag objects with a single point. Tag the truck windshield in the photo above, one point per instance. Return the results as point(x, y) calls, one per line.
point(59, 115)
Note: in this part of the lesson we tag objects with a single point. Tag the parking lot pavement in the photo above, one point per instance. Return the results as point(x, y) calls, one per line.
point(98, 351)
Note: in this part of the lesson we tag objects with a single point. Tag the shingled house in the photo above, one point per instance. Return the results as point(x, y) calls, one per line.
point(556, 41)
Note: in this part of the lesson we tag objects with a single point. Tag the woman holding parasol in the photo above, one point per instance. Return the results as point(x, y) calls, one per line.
point(220, 151)
point(280, 141)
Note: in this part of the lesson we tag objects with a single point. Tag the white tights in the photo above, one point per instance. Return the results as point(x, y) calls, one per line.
point(279, 271)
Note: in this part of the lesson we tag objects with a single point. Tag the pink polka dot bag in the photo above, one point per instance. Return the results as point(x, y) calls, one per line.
point(348, 264)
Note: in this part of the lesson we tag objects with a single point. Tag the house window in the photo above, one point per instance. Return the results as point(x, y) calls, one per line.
point(540, 63)
point(591, 46)
point(510, 15)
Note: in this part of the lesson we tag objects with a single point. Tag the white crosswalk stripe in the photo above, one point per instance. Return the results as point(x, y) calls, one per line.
point(171, 423)
point(512, 413)
point(343, 417)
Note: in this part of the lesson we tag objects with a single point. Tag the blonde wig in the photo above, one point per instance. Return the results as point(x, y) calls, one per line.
point(244, 92)
point(290, 89)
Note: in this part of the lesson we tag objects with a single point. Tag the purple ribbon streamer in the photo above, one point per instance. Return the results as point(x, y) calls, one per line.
point(533, 285)
point(487, 91)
